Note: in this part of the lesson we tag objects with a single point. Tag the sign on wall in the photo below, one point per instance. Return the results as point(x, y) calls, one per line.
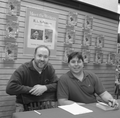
point(41, 29)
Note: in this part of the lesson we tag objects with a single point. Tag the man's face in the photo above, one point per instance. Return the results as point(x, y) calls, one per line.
point(41, 57)
point(76, 65)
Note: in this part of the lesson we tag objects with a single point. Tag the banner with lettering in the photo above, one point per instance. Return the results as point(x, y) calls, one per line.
point(41, 29)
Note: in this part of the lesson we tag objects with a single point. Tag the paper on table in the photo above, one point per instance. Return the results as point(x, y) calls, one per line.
point(75, 109)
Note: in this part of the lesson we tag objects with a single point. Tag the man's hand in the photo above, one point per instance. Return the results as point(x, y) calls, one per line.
point(113, 103)
point(38, 90)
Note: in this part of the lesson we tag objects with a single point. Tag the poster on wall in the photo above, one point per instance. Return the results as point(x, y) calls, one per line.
point(67, 51)
point(10, 51)
point(110, 58)
point(14, 7)
point(87, 38)
point(99, 41)
point(72, 18)
point(88, 22)
point(70, 35)
point(12, 26)
point(98, 57)
point(86, 55)
point(41, 29)
point(12, 29)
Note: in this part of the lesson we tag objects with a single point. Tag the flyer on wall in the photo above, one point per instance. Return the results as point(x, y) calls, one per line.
point(10, 51)
point(14, 7)
point(67, 51)
point(100, 41)
point(87, 38)
point(72, 18)
point(110, 58)
point(88, 22)
point(41, 29)
point(98, 57)
point(70, 35)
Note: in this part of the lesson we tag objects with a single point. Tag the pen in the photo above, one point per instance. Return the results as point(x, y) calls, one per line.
point(37, 112)
point(102, 103)
point(110, 101)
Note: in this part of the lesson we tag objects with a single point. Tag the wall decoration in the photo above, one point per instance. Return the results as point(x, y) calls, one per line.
point(67, 51)
point(99, 41)
point(118, 48)
point(14, 7)
point(117, 59)
point(10, 51)
point(10, 18)
point(72, 18)
point(12, 29)
point(110, 58)
point(86, 55)
point(70, 35)
point(12, 26)
point(98, 57)
point(87, 38)
point(88, 22)
point(41, 28)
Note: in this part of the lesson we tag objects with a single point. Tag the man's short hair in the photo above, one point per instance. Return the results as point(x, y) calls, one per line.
point(75, 54)
point(42, 46)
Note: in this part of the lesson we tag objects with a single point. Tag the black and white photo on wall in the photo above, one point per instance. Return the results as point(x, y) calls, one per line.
point(118, 50)
point(12, 26)
point(87, 38)
point(98, 57)
point(10, 51)
point(86, 54)
point(72, 18)
point(14, 7)
point(111, 58)
point(67, 50)
point(70, 35)
point(88, 22)
point(99, 43)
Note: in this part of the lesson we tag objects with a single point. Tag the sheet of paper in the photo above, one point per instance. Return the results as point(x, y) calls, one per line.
point(75, 109)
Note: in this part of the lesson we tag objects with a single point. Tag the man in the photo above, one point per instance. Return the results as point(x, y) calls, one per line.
point(81, 86)
point(34, 82)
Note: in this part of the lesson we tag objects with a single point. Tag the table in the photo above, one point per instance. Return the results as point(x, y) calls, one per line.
point(60, 113)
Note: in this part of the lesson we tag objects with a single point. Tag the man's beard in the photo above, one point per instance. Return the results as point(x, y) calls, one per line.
point(40, 64)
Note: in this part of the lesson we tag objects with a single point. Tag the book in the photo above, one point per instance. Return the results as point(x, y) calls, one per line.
point(99, 41)
point(105, 106)
point(70, 35)
point(67, 51)
point(88, 22)
point(98, 57)
point(10, 51)
point(87, 38)
point(111, 58)
point(86, 55)
point(14, 7)
point(72, 18)
point(12, 29)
